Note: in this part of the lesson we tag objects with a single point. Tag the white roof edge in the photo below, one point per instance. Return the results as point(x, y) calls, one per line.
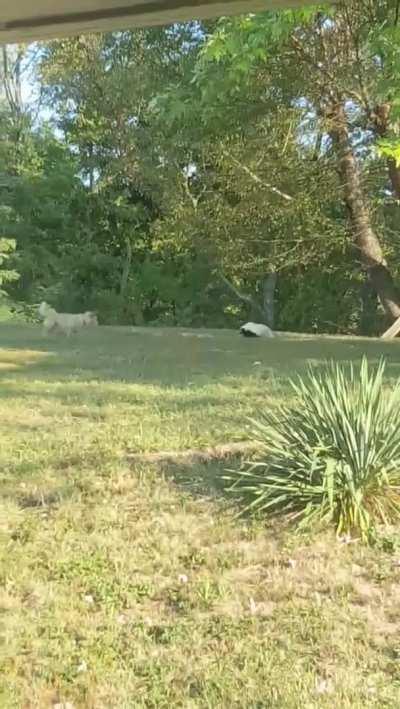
point(27, 21)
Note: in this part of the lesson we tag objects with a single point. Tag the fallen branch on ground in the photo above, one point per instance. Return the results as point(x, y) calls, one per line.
point(195, 455)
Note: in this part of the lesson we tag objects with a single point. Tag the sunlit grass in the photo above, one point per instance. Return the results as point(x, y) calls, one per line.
point(122, 588)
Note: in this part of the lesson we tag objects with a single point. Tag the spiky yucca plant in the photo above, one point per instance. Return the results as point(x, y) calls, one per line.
point(332, 455)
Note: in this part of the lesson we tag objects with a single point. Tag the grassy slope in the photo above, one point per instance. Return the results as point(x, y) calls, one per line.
point(93, 609)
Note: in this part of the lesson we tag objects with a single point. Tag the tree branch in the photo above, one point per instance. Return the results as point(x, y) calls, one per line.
point(242, 296)
point(257, 179)
point(356, 44)
point(194, 200)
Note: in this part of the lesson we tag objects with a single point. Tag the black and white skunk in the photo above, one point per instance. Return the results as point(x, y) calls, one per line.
point(254, 329)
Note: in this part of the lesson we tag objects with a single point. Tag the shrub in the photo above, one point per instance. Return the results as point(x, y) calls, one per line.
point(331, 455)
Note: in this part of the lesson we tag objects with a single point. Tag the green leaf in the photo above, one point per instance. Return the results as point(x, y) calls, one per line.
point(390, 149)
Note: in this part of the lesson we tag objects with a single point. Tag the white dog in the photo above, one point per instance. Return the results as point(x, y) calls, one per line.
point(66, 323)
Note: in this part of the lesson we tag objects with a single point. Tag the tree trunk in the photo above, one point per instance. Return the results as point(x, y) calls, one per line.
point(126, 269)
point(255, 310)
point(269, 286)
point(91, 171)
point(368, 315)
point(394, 174)
point(137, 314)
point(11, 80)
point(365, 238)
point(381, 121)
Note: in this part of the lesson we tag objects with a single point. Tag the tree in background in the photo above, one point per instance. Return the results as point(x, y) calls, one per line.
point(207, 172)
point(334, 65)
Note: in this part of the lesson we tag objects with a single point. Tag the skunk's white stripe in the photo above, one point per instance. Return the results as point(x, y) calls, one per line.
point(256, 329)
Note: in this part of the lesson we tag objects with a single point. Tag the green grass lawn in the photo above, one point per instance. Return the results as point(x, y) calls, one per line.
point(125, 586)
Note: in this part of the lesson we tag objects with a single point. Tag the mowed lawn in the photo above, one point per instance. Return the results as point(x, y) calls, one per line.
point(127, 585)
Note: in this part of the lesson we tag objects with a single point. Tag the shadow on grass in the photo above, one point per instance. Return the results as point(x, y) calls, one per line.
point(166, 373)
point(116, 355)
point(209, 481)
point(202, 477)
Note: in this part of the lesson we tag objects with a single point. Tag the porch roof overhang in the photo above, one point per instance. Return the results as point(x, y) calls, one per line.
point(31, 20)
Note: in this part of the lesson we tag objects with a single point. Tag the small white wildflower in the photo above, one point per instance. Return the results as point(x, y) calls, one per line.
point(82, 667)
point(318, 598)
point(345, 539)
point(89, 599)
point(253, 606)
point(182, 578)
point(323, 686)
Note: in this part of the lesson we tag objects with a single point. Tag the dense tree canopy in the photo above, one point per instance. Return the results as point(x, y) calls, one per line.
point(209, 172)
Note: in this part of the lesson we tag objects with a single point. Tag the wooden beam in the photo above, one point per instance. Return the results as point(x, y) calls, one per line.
point(392, 331)
point(25, 20)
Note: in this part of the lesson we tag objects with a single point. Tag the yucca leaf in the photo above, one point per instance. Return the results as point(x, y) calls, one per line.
point(332, 454)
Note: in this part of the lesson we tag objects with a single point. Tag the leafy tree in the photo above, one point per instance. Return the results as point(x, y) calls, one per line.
point(208, 172)
point(321, 61)
point(7, 275)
